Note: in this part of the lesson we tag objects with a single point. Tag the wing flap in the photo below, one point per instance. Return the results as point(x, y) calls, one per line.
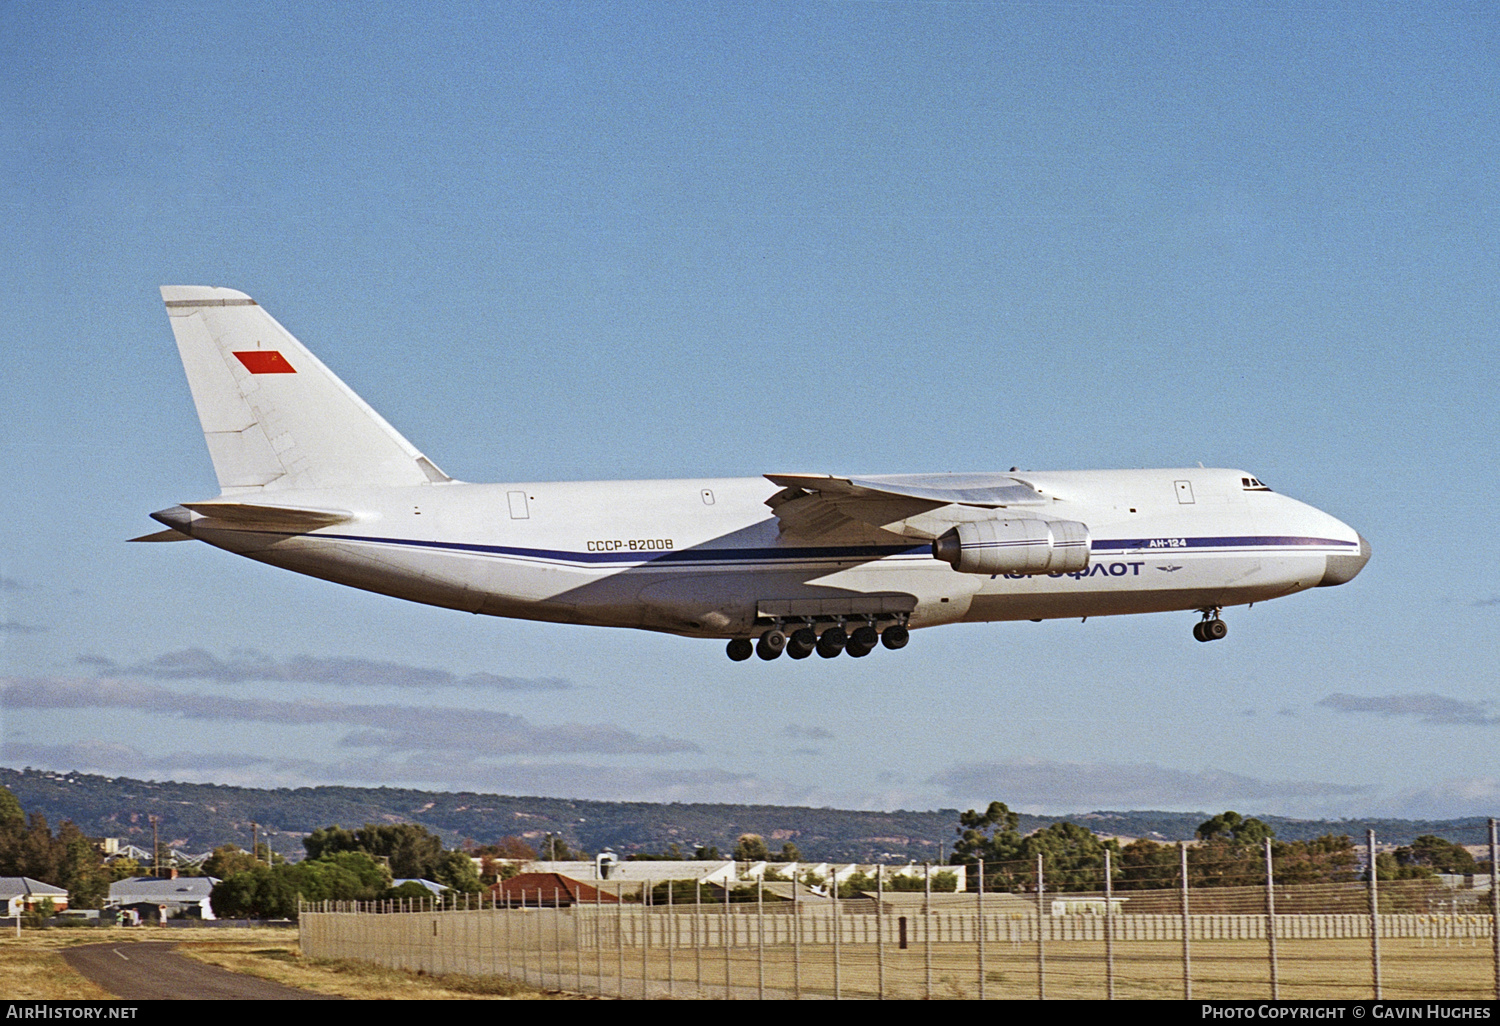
point(910, 505)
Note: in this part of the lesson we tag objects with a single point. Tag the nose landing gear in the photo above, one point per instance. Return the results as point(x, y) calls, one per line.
point(1210, 628)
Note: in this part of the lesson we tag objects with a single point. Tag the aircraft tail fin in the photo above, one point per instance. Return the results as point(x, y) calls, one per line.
point(275, 418)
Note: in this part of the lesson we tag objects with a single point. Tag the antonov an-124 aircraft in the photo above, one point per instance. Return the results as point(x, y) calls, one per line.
point(313, 480)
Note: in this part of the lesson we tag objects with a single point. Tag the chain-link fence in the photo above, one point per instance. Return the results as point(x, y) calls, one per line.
point(1201, 930)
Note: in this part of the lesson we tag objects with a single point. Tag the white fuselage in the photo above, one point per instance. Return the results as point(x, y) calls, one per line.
point(708, 558)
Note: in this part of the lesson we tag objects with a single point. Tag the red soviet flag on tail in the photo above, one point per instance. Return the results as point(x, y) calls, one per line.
point(265, 361)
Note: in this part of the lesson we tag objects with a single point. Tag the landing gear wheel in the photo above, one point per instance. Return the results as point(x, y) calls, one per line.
point(770, 645)
point(740, 649)
point(802, 642)
point(895, 637)
point(831, 642)
point(1210, 629)
point(862, 642)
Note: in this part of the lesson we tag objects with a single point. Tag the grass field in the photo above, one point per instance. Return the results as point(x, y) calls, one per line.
point(31, 968)
point(1323, 970)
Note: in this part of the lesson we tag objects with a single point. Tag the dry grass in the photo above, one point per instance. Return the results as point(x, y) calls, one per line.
point(32, 967)
point(32, 970)
point(280, 961)
point(1308, 970)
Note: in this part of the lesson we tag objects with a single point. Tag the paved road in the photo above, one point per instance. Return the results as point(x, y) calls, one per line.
point(153, 972)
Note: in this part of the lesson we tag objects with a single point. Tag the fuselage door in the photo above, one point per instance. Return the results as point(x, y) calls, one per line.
point(518, 510)
point(1185, 492)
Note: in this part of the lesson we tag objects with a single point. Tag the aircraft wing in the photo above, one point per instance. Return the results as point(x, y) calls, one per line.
point(911, 505)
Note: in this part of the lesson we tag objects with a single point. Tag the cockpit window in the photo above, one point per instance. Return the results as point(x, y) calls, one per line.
point(1253, 485)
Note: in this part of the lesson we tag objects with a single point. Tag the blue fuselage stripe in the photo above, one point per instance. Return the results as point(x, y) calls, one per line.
point(859, 553)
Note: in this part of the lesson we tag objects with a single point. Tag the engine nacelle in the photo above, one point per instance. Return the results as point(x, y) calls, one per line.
point(1018, 546)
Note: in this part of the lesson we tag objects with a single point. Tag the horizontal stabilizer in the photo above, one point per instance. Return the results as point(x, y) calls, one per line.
point(163, 536)
point(281, 518)
point(246, 516)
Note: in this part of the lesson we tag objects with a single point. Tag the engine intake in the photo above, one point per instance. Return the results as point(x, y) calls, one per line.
point(1020, 546)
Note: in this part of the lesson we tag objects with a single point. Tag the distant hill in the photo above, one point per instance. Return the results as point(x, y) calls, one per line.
point(198, 817)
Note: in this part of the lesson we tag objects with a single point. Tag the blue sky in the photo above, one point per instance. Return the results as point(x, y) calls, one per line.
point(594, 241)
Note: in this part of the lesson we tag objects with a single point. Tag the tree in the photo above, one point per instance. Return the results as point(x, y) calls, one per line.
point(11, 814)
point(410, 850)
point(509, 847)
point(789, 853)
point(272, 892)
point(1072, 856)
point(991, 836)
point(1389, 867)
point(554, 848)
point(751, 848)
point(1330, 858)
point(683, 892)
point(82, 870)
point(1438, 854)
point(1230, 852)
point(1145, 865)
point(227, 860)
point(1231, 826)
point(456, 871)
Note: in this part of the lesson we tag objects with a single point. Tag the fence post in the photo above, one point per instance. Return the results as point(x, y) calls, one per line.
point(796, 941)
point(1495, 906)
point(1041, 925)
point(671, 942)
point(760, 936)
point(833, 920)
point(927, 928)
point(1109, 925)
point(1187, 944)
point(979, 902)
point(1271, 924)
point(557, 935)
point(1374, 920)
point(880, 932)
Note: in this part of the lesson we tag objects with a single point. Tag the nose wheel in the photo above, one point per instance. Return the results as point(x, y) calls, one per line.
point(1210, 628)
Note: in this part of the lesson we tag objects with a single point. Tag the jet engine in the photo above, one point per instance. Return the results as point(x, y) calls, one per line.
point(1020, 546)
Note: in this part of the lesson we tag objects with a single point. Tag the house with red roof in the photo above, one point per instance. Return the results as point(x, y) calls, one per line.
point(548, 890)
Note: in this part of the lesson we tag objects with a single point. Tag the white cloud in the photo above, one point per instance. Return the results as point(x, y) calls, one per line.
point(250, 665)
point(1040, 786)
point(1428, 708)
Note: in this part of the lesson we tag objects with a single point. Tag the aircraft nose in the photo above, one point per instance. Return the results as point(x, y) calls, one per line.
point(1343, 569)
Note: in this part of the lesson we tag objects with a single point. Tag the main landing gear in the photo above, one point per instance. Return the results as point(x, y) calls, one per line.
point(1210, 628)
point(842, 637)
